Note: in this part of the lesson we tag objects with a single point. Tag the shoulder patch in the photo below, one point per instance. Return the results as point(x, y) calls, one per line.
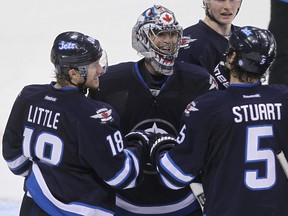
point(190, 107)
point(185, 42)
point(103, 114)
point(213, 83)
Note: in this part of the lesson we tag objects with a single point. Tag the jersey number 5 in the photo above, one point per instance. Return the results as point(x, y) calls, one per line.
point(256, 154)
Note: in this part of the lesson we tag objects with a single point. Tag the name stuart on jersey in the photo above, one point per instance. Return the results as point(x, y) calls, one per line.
point(257, 112)
point(43, 117)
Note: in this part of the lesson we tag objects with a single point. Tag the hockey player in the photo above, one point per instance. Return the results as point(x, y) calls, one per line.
point(151, 95)
point(232, 137)
point(209, 38)
point(67, 146)
point(277, 25)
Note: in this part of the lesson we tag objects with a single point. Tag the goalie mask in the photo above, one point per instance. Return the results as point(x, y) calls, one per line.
point(73, 50)
point(255, 49)
point(153, 25)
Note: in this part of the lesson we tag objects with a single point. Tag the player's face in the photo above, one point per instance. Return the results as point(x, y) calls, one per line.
point(165, 42)
point(224, 11)
point(94, 69)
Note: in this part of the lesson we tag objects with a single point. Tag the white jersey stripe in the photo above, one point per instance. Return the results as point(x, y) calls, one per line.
point(163, 209)
point(167, 163)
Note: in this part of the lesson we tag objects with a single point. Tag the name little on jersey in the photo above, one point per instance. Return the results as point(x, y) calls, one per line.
point(43, 117)
point(257, 112)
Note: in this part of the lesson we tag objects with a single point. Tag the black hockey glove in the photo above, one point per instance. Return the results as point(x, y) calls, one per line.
point(138, 139)
point(160, 146)
point(143, 141)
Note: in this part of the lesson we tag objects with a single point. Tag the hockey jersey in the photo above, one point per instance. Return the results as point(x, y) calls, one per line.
point(70, 150)
point(207, 49)
point(157, 111)
point(232, 137)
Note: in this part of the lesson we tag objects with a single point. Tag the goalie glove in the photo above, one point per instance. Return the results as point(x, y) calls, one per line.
point(161, 145)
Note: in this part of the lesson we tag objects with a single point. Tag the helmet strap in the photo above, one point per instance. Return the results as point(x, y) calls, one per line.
point(83, 88)
point(211, 17)
point(80, 86)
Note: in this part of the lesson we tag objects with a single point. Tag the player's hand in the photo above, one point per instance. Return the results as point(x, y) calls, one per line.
point(159, 146)
point(138, 139)
point(144, 141)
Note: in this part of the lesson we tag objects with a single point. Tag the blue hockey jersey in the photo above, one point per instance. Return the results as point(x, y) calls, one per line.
point(206, 49)
point(158, 111)
point(70, 150)
point(231, 137)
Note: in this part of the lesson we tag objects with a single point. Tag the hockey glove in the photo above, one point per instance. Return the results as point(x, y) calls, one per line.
point(160, 146)
point(138, 139)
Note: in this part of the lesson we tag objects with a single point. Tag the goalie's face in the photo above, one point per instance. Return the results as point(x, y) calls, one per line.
point(164, 45)
point(157, 36)
point(165, 42)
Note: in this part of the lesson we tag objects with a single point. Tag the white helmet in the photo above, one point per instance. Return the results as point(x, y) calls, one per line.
point(152, 22)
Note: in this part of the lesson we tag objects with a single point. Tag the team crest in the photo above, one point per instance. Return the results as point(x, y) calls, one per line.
point(246, 31)
point(103, 114)
point(167, 18)
point(66, 45)
point(156, 125)
point(190, 107)
point(213, 83)
point(185, 42)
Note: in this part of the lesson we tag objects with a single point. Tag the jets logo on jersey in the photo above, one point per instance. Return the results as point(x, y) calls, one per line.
point(185, 42)
point(103, 114)
point(156, 126)
point(213, 83)
point(190, 107)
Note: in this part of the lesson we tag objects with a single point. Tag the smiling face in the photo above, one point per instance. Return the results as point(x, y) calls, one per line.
point(94, 70)
point(157, 36)
point(87, 76)
point(165, 42)
point(224, 11)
